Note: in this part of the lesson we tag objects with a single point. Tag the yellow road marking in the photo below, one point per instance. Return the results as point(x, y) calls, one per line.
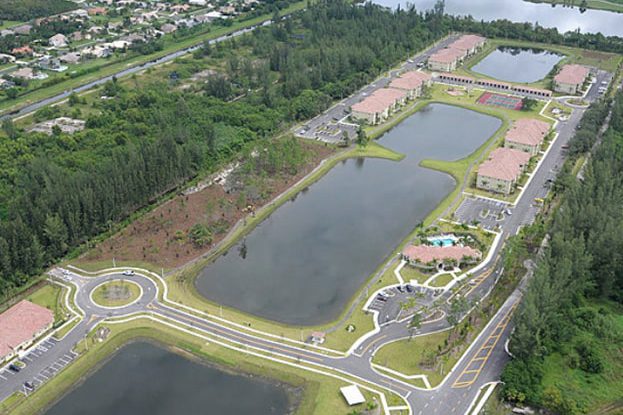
point(481, 361)
point(373, 343)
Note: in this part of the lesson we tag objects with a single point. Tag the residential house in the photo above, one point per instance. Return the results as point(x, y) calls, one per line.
point(59, 40)
point(437, 257)
point(501, 171)
point(168, 28)
point(6, 32)
point(21, 325)
point(49, 63)
point(201, 3)
point(96, 51)
point(28, 74)
point(71, 58)
point(22, 29)
point(527, 134)
point(97, 11)
point(4, 58)
point(570, 79)
point(22, 51)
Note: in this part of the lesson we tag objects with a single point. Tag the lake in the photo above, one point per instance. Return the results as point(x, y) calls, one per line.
point(563, 18)
point(304, 263)
point(517, 64)
point(143, 379)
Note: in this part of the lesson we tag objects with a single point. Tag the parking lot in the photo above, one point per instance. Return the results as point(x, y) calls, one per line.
point(489, 214)
point(38, 353)
point(389, 302)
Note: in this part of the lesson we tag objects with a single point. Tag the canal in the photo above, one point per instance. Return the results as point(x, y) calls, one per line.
point(517, 64)
point(563, 18)
point(305, 262)
point(143, 379)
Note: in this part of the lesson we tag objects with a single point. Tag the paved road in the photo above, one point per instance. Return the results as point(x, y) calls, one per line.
point(480, 365)
point(133, 69)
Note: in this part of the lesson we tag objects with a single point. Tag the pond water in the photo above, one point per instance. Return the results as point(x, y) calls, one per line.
point(305, 262)
point(517, 64)
point(563, 18)
point(143, 379)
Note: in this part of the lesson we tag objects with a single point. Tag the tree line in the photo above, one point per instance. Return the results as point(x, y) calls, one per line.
point(583, 263)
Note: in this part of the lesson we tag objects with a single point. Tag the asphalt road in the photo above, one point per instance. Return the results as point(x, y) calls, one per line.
point(133, 69)
point(481, 364)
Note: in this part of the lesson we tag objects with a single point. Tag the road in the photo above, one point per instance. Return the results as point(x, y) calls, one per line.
point(481, 364)
point(128, 71)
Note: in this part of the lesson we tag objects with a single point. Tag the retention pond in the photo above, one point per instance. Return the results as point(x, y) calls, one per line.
point(518, 64)
point(143, 379)
point(305, 262)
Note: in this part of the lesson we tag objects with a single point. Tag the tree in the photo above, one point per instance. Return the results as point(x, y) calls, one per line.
point(55, 233)
point(458, 307)
point(416, 322)
point(9, 128)
point(362, 138)
point(528, 104)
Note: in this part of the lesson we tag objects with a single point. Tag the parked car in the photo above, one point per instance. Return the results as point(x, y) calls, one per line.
point(14, 368)
point(29, 386)
point(409, 288)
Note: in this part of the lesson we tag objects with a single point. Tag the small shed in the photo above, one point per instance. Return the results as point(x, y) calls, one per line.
point(317, 337)
point(353, 395)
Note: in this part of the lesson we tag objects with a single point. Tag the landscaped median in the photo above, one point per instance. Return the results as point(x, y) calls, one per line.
point(320, 391)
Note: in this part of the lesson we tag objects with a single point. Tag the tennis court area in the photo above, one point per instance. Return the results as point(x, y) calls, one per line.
point(499, 100)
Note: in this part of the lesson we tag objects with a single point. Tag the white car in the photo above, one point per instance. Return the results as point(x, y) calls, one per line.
point(128, 272)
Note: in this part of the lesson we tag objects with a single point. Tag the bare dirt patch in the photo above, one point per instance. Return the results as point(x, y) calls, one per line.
point(169, 235)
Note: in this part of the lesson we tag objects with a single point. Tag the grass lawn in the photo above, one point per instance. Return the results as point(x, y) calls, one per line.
point(5, 24)
point(411, 273)
point(320, 393)
point(441, 280)
point(406, 356)
point(116, 293)
point(562, 108)
point(50, 297)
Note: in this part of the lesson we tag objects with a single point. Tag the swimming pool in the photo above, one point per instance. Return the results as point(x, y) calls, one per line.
point(443, 241)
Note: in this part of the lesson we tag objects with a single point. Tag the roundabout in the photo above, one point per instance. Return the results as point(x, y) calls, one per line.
point(116, 294)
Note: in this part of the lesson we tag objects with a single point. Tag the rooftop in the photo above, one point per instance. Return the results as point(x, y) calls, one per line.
point(447, 55)
point(410, 80)
point(504, 164)
point(528, 131)
point(427, 253)
point(467, 42)
point(20, 323)
point(572, 74)
point(379, 100)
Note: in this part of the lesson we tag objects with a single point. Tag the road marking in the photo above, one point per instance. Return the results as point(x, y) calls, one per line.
point(476, 364)
point(373, 343)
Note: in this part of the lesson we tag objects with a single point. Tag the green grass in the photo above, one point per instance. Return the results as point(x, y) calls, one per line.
point(110, 68)
point(411, 273)
point(5, 24)
point(607, 5)
point(441, 280)
point(50, 297)
point(102, 296)
point(320, 393)
point(406, 356)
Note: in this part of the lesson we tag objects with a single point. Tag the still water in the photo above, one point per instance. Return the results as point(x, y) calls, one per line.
point(517, 64)
point(304, 263)
point(143, 379)
point(562, 18)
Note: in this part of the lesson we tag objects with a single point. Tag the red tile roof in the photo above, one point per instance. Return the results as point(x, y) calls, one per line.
point(504, 164)
point(572, 74)
point(20, 323)
point(410, 80)
point(467, 42)
point(447, 55)
point(528, 131)
point(379, 100)
point(426, 253)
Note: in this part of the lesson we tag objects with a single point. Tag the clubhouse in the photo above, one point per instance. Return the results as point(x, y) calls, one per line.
point(21, 325)
point(436, 257)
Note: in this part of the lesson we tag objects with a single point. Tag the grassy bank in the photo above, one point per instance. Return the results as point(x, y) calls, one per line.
point(320, 393)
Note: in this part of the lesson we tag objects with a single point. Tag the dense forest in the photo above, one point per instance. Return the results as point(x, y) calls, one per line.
point(567, 313)
point(24, 10)
point(58, 191)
